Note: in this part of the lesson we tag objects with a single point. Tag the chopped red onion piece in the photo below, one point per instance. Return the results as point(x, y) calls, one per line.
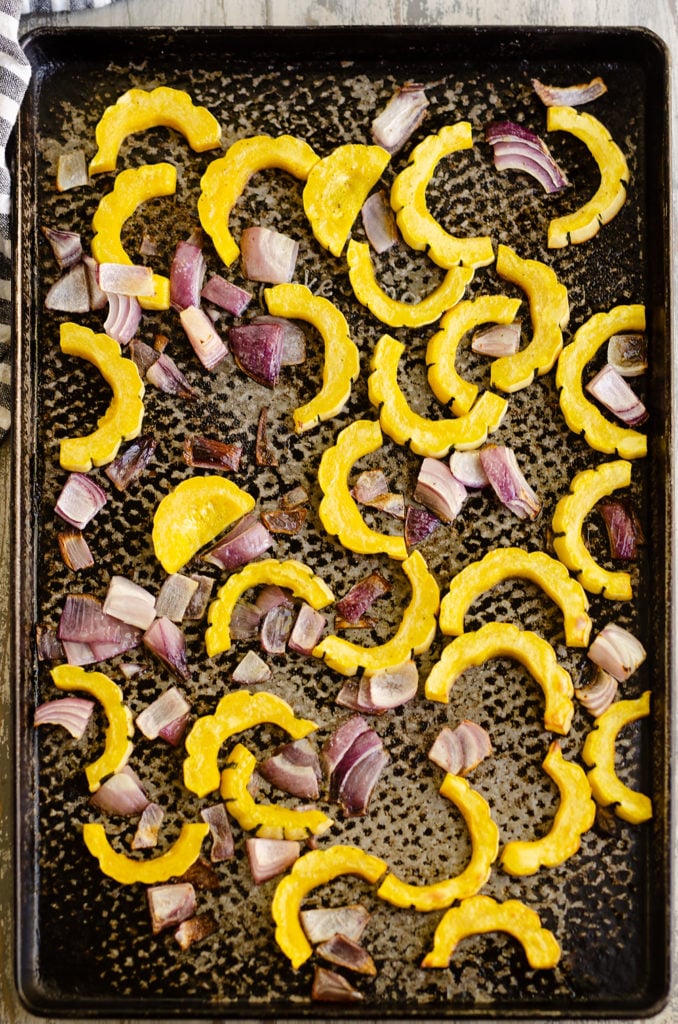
point(223, 847)
point(97, 298)
point(355, 758)
point(517, 148)
point(264, 453)
point(467, 468)
point(66, 246)
point(308, 628)
point(322, 923)
point(49, 647)
point(124, 317)
point(252, 669)
point(439, 490)
point(130, 463)
point(175, 596)
point(389, 687)
point(83, 620)
point(142, 355)
point(131, 670)
point(627, 353)
point(71, 170)
point(295, 769)
point(166, 641)
point(126, 279)
point(129, 602)
point(400, 118)
point(173, 732)
point(204, 339)
point(268, 255)
point(569, 95)
point(257, 350)
point(508, 482)
point(458, 751)
point(194, 929)
point(187, 273)
point(69, 293)
point(169, 706)
point(207, 453)
point(270, 857)
point(340, 742)
point(78, 653)
point(294, 498)
point(246, 541)
point(73, 713)
point(345, 952)
point(293, 339)
point(202, 875)
point(332, 987)
point(349, 697)
point(226, 295)
point(617, 651)
point(612, 391)
point(379, 222)
point(148, 246)
point(599, 694)
point(371, 484)
point(497, 339)
point(270, 596)
point(624, 529)
point(165, 375)
point(392, 504)
point(148, 829)
point(74, 550)
point(276, 627)
point(362, 596)
point(198, 604)
point(121, 793)
point(170, 904)
point(244, 624)
point(279, 521)
point(420, 523)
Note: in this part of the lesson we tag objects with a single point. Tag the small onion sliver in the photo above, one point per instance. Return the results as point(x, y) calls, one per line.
point(73, 713)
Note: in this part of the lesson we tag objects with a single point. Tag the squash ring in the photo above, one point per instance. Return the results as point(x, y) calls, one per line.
point(504, 639)
point(428, 437)
point(587, 488)
point(170, 864)
point(599, 753)
point(504, 563)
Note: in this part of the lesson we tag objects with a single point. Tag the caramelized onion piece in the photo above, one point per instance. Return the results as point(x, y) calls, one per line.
point(599, 694)
point(371, 484)
point(194, 929)
point(345, 952)
point(295, 769)
point(379, 222)
point(332, 987)
point(294, 498)
point(617, 651)
point(624, 529)
point(264, 453)
point(246, 541)
point(281, 521)
point(199, 603)
point(170, 904)
point(148, 829)
point(75, 550)
point(166, 376)
point(627, 353)
point(142, 355)
point(569, 95)
point(257, 350)
point(458, 751)
point(618, 397)
point(362, 596)
point(244, 621)
point(420, 523)
point(270, 857)
point(307, 630)
point(130, 464)
point(223, 847)
point(165, 640)
point(208, 453)
point(497, 339)
point(321, 923)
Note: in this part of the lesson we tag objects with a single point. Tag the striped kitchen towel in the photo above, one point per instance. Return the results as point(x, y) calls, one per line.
point(15, 74)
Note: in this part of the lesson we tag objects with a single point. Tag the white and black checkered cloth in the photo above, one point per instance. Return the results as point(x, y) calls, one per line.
point(15, 74)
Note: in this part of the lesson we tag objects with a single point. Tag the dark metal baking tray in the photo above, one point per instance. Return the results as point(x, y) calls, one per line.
point(84, 944)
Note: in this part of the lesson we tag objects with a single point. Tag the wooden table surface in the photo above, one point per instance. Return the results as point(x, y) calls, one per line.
point(661, 16)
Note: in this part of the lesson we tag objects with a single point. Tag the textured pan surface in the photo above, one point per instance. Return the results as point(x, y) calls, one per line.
point(85, 942)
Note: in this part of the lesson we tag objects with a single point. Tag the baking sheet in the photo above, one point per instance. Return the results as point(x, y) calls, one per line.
point(84, 943)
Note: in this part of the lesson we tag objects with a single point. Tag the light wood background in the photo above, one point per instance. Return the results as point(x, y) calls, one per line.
point(661, 16)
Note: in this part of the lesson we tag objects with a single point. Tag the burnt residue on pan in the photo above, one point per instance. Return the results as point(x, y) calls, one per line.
point(87, 941)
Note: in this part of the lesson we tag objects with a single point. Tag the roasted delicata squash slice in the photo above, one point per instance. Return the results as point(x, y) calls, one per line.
point(581, 415)
point(338, 511)
point(132, 187)
point(225, 179)
point(130, 870)
point(505, 563)
point(124, 415)
point(119, 721)
point(599, 753)
point(342, 359)
point(313, 869)
point(575, 815)
point(428, 437)
point(549, 313)
point(394, 312)
point(484, 844)
point(446, 383)
point(587, 488)
point(505, 640)
point(482, 914)
point(137, 110)
point(414, 634)
point(193, 514)
point(234, 713)
point(266, 820)
point(408, 199)
point(336, 188)
point(584, 223)
point(296, 576)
